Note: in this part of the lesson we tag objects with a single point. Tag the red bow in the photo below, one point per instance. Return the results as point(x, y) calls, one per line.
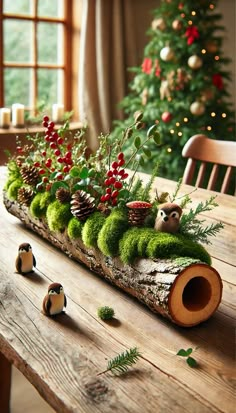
point(217, 81)
point(192, 34)
point(147, 65)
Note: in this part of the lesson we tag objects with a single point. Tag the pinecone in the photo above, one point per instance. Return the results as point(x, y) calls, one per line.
point(25, 196)
point(103, 209)
point(29, 175)
point(137, 217)
point(63, 195)
point(82, 205)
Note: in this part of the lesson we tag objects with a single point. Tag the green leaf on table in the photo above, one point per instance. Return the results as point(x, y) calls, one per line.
point(182, 353)
point(191, 362)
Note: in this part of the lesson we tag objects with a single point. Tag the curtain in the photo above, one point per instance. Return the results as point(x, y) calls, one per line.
point(110, 33)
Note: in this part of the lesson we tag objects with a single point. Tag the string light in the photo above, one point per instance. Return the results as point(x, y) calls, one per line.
point(169, 150)
point(177, 124)
point(172, 131)
point(204, 51)
point(180, 134)
point(209, 127)
point(217, 57)
point(213, 114)
point(223, 115)
point(211, 6)
point(185, 120)
point(193, 13)
point(190, 22)
point(182, 15)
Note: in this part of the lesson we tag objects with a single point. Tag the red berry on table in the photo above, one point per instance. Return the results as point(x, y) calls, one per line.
point(114, 165)
point(57, 152)
point(45, 123)
point(45, 179)
point(115, 194)
point(118, 185)
point(109, 173)
point(45, 118)
point(37, 164)
point(42, 171)
point(120, 156)
point(60, 141)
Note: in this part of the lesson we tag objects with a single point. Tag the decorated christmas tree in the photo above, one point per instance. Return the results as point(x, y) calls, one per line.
point(182, 84)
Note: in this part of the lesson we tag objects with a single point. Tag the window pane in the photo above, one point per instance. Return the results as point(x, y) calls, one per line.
point(51, 8)
point(50, 86)
point(17, 6)
point(50, 43)
point(17, 40)
point(17, 86)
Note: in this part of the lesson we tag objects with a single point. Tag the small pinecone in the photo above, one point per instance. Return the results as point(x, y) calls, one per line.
point(103, 209)
point(82, 205)
point(137, 217)
point(63, 195)
point(25, 196)
point(29, 175)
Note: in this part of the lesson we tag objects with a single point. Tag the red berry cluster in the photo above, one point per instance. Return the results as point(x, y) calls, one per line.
point(55, 143)
point(113, 183)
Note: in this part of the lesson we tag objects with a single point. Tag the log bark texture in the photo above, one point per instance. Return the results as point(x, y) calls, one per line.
point(185, 294)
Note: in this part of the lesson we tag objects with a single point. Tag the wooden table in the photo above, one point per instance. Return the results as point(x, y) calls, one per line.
point(63, 356)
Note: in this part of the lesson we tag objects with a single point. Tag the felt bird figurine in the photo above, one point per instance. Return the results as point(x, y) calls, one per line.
point(168, 218)
point(25, 260)
point(55, 300)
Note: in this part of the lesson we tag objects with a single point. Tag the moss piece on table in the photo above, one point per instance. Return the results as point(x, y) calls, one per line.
point(58, 216)
point(74, 228)
point(114, 227)
point(39, 204)
point(92, 228)
point(165, 245)
point(12, 191)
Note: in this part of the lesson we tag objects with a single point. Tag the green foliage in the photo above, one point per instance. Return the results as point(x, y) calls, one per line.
point(74, 228)
point(191, 226)
point(189, 360)
point(39, 204)
point(91, 229)
point(13, 188)
point(121, 363)
point(128, 249)
point(105, 313)
point(114, 227)
point(13, 173)
point(58, 216)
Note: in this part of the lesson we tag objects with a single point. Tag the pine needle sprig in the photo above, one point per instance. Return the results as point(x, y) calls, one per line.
point(121, 363)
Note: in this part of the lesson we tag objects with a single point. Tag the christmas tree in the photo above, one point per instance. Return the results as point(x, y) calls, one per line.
point(181, 85)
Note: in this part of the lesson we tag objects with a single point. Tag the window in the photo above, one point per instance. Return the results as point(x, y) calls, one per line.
point(36, 53)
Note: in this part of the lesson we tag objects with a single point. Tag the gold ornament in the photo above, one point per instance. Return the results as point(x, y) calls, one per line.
point(197, 108)
point(195, 62)
point(177, 25)
point(158, 24)
point(166, 54)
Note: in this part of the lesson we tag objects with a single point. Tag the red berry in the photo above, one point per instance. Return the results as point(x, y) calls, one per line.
point(48, 187)
point(55, 135)
point(45, 118)
point(59, 141)
point(69, 147)
point(53, 145)
point(109, 173)
point(121, 172)
point(44, 153)
point(107, 197)
point(120, 156)
point(68, 154)
point(115, 194)
point(66, 169)
point(108, 190)
point(51, 125)
point(121, 162)
point(52, 169)
point(45, 124)
point(60, 160)
point(107, 182)
point(68, 161)
point(59, 177)
point(114, 202)
point(45, 179)
point(47, 138)
point(114, 165)
point(118, 185)
point(48, 163)
point(42, 171)
point(115, 172)
point(112, 180)
point(102, 199)
point(57, 152)
point(37, 164)
point(125, 176)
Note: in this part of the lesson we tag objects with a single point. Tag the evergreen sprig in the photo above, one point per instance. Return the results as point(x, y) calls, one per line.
point(121, 363)
point(191, 226)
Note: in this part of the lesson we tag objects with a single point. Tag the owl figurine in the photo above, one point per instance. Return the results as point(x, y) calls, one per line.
point(168, 218)
point(55, 300)
point(25, 260)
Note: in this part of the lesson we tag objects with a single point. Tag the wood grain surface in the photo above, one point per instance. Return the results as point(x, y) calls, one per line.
point(62, 356)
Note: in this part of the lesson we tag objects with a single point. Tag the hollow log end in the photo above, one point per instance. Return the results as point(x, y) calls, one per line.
point(195, 295)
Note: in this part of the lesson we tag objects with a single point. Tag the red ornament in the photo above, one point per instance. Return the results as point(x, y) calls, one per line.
point(166, 117)
point(192, 34)
point(147, 65)
point(217, 81)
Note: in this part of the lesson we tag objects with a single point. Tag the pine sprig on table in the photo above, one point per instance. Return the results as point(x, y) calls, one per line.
point(122, 362)
point(192, 227)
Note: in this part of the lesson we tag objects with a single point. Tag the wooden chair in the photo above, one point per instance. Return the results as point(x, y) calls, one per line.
point(200, 148)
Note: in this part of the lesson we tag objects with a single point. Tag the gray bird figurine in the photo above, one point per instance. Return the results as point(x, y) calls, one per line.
point(25, 260)
point(168, 218)
point(55, 300)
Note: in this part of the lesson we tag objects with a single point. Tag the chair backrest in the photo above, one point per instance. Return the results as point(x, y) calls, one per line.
point(216, 152)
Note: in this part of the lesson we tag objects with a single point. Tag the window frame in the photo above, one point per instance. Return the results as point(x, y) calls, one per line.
point(66, 66)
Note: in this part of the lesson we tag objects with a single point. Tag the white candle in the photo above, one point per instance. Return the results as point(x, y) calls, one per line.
point(57, 112)
point(5, 117)
point(18, 114)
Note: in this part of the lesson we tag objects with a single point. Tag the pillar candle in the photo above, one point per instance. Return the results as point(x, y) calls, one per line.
point(5, 117)
point(18, 115)
point(57, 112)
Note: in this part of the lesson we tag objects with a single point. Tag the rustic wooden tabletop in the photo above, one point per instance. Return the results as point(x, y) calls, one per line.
point(63, 356)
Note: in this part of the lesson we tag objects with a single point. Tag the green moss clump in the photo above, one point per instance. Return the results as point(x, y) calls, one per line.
point(92, 228)
point(13, 174)
point(128, 248)
point(74, 228)
point(165, 245)
point(58, 216)
point(39, 204)
point(145, 235)
point(105, 313)
point(12, 191)
point(114, 227)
